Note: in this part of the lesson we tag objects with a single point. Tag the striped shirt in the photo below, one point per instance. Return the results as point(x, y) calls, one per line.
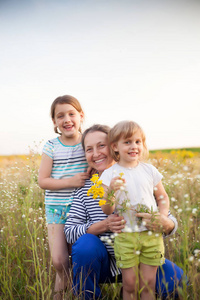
point(86, 211)
point(67, 162)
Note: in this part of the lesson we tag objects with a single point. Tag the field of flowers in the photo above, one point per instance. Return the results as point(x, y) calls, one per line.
point(26, 271)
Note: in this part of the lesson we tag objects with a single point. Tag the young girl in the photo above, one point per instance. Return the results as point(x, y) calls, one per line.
point(63, 168)
point(137, 251)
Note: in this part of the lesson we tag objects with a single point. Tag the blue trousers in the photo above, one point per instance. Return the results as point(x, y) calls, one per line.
point(91, 266)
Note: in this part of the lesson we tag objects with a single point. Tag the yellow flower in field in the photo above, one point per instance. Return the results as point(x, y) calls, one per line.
point(102, 202)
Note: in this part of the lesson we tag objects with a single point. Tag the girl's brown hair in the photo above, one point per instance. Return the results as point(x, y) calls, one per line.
point(125, 129)
point(93, 128)
point(66, 99)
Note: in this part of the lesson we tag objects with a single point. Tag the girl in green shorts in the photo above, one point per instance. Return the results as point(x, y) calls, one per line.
point(135, 184)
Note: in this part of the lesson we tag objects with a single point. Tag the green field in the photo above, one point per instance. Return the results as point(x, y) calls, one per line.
point(26, 271)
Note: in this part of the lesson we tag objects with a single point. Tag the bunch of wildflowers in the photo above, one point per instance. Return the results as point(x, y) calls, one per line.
point(97, 191)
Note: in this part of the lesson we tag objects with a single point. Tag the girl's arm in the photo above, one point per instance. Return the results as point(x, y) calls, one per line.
point(48, 183)
point(162, 199)
point(109, 207)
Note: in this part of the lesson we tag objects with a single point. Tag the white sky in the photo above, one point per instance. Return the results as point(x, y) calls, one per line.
point(122, 59)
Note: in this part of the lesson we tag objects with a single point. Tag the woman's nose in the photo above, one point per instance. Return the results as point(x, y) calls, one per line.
point(95, 152)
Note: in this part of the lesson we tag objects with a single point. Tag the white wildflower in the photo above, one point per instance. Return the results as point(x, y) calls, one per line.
point(176, 182)
point(109, 241)
point(118, 181)
point(23, 216)
point(176, 207)
point(194, 210)
point(191, 258)
point(185, 168)
point(30, 210)
point(186, 196)
point(149, 232)
point(127, 229)
point(136, 228)
point(137, 252)
point(144, 223)
point(179, 210)
point(173, 199)
point(196, 252)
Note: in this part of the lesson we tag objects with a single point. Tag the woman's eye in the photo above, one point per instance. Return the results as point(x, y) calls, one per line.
point(89, 150)
point(59, 117)
point(71, 114)
point(102, 145)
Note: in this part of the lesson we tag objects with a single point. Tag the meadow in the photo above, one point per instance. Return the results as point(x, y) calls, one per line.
point(26, 271)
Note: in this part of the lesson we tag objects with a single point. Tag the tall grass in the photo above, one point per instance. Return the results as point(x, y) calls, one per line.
point(26, 271)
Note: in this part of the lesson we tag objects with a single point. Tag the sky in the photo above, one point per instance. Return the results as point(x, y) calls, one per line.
point(122, 59)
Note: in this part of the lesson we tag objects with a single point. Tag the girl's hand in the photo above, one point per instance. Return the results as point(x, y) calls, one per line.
point(115, 223)
point(79, 179)
point(116, 183)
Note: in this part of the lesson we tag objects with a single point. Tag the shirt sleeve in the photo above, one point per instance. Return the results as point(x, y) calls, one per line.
point(106, 177)
point(48, 149)
point(171, 217)
point(78, 220)
point(157, 176)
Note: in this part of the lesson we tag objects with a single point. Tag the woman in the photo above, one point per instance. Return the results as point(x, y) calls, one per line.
point(89, 229)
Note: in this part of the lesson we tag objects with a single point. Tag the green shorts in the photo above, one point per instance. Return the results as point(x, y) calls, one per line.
point(132, 248)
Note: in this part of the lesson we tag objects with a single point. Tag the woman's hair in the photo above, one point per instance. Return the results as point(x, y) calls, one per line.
point(66, 99)
point(125, 129)
point(93, 128)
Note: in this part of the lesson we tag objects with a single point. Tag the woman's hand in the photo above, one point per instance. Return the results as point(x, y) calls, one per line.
point(157, 222)
point(115, 223)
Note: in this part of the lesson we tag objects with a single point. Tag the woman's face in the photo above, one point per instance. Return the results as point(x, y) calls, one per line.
point(97, 151)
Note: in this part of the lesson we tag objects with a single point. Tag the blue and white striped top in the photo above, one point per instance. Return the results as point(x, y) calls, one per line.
point(86, 211)
point(67, 162)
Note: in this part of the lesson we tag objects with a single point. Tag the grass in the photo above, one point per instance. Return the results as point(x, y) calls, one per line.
point(26, 271)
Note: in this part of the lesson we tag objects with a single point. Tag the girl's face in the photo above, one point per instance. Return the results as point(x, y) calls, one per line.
point(130, 150)
point(68, 120)
point(97, 151)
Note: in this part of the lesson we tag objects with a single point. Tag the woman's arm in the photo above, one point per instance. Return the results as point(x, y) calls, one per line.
point(46, 182)
point(77, 222)
point(159, 222)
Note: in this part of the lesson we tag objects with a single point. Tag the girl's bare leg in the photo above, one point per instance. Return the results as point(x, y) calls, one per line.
point(130, 283)
point(60, 256)
point(147, 281)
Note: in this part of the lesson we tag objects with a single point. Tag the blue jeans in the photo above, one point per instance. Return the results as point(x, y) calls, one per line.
point(91, 266)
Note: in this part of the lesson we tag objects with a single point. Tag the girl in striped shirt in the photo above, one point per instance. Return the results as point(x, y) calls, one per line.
point(63, 169)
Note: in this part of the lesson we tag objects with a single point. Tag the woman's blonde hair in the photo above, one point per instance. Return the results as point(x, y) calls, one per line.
point(125, 129)
point(66, 99)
